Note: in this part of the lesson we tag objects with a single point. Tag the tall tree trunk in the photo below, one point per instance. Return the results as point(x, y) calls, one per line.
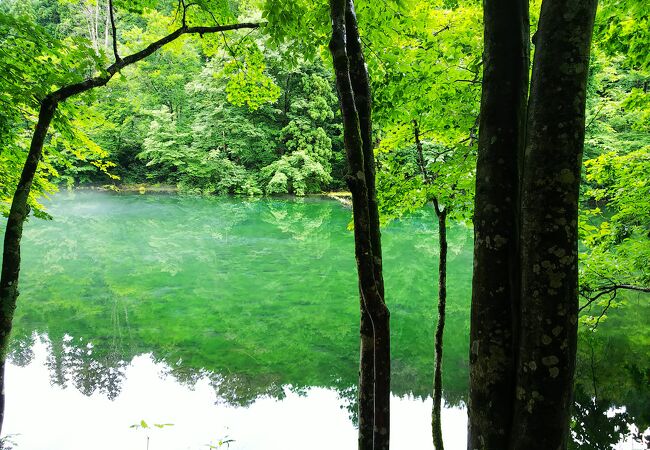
point(495, 286)
point(549, 282)
point(441, 214)
point(20, 203)
point(363, 103)
point(14, 232)
point(436, 423)
point(366, 230)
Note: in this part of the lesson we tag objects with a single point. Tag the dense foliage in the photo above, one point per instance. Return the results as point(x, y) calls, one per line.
point(615, 213)
point(221, 115)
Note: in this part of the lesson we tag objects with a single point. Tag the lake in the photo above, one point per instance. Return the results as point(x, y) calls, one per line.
point(176, 322)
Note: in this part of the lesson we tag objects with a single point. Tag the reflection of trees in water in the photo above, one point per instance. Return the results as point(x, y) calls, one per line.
point(612, 387)
point(85, 366)
point(21, 349)
point(260, 297)
point(100, 367)
point(597, 424)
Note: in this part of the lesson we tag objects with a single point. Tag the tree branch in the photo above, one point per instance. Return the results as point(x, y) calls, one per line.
point(113, 29)
point(612, 289)
point(100, 80)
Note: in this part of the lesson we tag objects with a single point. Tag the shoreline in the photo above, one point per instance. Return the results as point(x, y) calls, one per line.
point(343, 197)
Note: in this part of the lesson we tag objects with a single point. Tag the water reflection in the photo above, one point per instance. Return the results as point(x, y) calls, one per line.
point(67, 419)
point(254, 303)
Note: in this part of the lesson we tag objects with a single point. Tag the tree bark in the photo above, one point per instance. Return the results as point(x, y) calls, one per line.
point(14, 232)
point(441, 214)
point(436, 423)
point(495, 286)
point(549, 235)
point(366, 230)
point(363, 103)
point(20, 203)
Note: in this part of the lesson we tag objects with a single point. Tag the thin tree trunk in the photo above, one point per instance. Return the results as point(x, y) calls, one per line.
point(365, 230)
point(436, 423)
point(495, 291)
point(549, 235)
point(285, 109)
point(366, 408)
point(363, 103)
point(420, 154)
point(20, 203)
point(107, 24)
point(441, 214)
point(96, 27)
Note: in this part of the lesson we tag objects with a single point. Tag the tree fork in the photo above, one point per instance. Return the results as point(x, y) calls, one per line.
point(363, 226)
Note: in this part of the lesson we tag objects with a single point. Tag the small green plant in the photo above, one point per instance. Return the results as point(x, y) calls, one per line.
point(8, 442)
point(220, 443)
point(142, 425)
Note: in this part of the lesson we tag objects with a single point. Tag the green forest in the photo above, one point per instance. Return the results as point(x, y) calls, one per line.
point(441, 202)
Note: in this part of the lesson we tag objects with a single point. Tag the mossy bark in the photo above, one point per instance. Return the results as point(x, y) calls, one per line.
point(363, 103)
point(495, 286)
point(353, 87)
point(524, 300)
point(549, 233)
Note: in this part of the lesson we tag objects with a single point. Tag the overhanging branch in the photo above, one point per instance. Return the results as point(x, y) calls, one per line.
point(100, 80)
point(610, 289)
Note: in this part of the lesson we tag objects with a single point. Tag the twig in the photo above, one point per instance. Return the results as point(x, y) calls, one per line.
point(367, 45)
point(613, 289)
point(595, 116)
point(436, 33)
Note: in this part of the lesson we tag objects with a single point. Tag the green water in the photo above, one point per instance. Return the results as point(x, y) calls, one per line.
point(257, 298)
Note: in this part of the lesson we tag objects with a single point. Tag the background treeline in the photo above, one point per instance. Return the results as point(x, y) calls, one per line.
point(220, 115)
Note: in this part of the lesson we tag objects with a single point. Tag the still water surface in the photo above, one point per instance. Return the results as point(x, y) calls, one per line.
point(237, 319)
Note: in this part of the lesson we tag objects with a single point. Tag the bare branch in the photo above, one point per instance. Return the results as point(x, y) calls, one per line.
point(113, 30)
point(612, 290)
point(436, 33)
point(100, 80)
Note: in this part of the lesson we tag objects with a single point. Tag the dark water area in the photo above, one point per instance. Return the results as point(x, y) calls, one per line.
point(238, 319)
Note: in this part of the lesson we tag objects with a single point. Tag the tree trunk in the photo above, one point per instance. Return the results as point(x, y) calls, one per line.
point(366, 230)
point(436, 423)
point(495, 283)
point(549, 235)
point(107, 24)
point(366, 408)
point(441, 214)
point(20, 203)
point(363, 103)
point(14, 232)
